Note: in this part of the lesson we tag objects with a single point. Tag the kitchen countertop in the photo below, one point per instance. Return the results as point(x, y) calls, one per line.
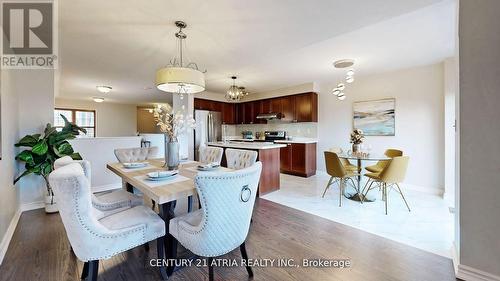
point(247, 145)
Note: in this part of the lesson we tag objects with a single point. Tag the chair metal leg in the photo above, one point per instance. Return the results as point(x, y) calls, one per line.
point(85, 271)
point(385, 196)
point(210, 269)
point(401, 192)
point(366, 192)
point(160, 248)
point(341, 191)
point(327, 186)
point(93, 270)
point(244, 255)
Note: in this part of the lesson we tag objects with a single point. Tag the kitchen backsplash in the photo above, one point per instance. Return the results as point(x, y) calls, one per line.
point(305, 130)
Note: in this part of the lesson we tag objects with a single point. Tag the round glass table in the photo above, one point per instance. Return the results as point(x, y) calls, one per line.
point(358, 196)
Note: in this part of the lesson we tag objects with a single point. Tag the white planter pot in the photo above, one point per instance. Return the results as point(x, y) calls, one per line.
point(50, 204)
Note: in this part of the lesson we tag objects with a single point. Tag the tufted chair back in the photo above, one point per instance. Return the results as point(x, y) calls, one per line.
point(89, 238)
point(211, 154)
point(239, 159)
point(136, 154)
point(66, 160)
point(227, 200)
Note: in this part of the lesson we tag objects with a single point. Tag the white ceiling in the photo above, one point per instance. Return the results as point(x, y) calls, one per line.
point(268, 44)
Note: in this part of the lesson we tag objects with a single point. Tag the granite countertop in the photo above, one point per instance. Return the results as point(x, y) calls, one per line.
point(247, 145)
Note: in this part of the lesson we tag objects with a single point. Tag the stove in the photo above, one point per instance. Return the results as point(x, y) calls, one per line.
point(275, 135)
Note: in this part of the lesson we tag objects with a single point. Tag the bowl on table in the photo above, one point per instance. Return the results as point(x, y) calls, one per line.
point(161, 175)
point(134, 165)
point(208, 167)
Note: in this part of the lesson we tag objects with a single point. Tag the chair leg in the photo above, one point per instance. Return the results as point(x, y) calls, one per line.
point(93, 270)
point(160, 248)
point(401, 192)
point(384, 188)
point(244, 255)
point(341, 191)
point(210, 269)
point(327, 186)
point(85, 271)
point(365, 193)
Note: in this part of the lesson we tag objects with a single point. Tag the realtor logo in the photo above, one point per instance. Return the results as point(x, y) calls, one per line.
point(28, 35)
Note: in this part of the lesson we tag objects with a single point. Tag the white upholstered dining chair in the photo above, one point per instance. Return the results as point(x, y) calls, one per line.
point(93, 238)
point(222, 225)
point(105, 203)
point(211, 154)
point(135, 154)
point(239, 159)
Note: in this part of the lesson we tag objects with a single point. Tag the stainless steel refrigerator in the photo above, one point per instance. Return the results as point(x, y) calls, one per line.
point(208, 129)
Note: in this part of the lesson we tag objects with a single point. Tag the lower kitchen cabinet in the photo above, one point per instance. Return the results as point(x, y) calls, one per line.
point(298, 159)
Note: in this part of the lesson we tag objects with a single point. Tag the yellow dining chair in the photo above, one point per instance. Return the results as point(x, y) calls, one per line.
point(345, 162)
point(380, 165)
point(337, 172)
point(393, 174)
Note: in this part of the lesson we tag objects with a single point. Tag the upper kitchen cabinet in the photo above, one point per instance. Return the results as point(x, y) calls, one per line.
point(288, 109)
point(247, 109)
point(228, 113)
point(306, 107)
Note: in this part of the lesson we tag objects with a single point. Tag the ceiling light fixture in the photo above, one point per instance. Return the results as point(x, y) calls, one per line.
point(177, 77)
point(98, 99)
point(104, 89)
point(339, 90)
point(235, 93)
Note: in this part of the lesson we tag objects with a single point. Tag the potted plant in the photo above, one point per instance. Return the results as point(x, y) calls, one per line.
point(42, 151)
point(357, 138)
point(172, 125)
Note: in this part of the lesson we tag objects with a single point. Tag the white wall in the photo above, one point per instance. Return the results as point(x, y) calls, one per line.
point(113, 119)
point(35, 90)
point(479, 130)
point(419, 120)
point(450, 92)
point(9, 199)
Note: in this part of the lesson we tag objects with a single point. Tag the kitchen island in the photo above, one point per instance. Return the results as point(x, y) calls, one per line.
point(268, 153)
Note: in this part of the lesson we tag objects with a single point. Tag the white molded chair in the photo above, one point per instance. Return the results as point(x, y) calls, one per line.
point(106, 203)
point(222, 225)
point(239, 159)
point(93, 239)
point(135, 154)
point(211, 154)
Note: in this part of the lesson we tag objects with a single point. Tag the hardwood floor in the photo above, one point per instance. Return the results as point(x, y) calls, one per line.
point(40, 250)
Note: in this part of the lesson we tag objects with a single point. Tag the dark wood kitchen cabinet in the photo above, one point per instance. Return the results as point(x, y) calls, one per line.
point(306, 107)
point(298, 159)
point(294, 108)
point(228, 113)
point(288, 108)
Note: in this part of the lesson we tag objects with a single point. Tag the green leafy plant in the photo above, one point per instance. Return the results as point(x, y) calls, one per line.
point(44, 150)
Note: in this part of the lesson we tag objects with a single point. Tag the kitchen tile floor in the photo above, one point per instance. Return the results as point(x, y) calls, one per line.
point(429, 226)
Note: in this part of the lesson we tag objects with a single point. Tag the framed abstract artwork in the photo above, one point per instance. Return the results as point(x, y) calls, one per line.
point(376, 117)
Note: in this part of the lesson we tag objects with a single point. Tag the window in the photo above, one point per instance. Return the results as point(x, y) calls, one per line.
point(80, 117)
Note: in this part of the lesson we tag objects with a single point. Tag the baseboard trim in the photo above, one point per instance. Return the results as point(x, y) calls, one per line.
point(468, 273)
point(32, 206)
point(4, 245)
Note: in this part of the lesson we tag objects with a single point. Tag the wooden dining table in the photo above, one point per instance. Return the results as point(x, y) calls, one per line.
point(165, 193)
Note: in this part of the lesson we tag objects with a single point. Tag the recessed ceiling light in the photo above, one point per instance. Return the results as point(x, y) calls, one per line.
point(98, 99)
point(343, 63)
point(336, 91)
point(349, 79)
point(341, 86)
point(350, 72)
point(342, 98)
point(104, 89)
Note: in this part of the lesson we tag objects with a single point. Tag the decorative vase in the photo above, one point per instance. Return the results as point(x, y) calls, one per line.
point(172, 154)
point(50, 204)
point(356, 147)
